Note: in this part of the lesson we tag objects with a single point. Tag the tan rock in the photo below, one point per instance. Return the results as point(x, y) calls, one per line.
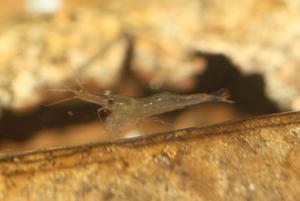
point(248, 159)
point(258, 36)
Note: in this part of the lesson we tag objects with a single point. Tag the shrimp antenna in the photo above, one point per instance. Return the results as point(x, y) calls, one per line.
point(60, 101)
point(63, 90)
point(78, 82)
point(82, 88)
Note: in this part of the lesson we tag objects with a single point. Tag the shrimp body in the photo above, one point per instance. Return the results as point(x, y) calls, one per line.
point(125, 108)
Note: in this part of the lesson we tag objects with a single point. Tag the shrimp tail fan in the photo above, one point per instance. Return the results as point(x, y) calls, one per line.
point(223, 95)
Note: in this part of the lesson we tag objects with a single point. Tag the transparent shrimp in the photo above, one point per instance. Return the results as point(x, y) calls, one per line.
point(124, 109)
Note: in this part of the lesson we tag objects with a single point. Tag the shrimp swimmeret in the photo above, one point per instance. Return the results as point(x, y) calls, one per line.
point(124, 108)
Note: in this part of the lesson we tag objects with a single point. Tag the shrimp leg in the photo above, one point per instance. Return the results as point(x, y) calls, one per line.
point(98, 113)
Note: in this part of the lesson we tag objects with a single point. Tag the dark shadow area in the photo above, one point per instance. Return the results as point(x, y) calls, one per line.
point(248, 91)
point(129, 79)
point(20, 127)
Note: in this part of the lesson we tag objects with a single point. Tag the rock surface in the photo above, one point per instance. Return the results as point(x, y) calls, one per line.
point(258, 36)
point(253, 159)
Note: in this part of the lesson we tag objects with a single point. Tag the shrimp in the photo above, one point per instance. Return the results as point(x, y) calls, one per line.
point(124, 109)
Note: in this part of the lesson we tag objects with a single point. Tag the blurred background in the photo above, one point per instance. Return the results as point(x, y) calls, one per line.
point(138, 48)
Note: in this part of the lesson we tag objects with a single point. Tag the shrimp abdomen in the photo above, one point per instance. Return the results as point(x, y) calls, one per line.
point(167, 102)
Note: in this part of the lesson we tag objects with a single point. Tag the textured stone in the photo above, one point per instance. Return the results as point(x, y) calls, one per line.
point(257, 36)
point(255, 159)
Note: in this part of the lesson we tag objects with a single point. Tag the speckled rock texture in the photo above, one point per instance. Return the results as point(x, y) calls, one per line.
point(89, 39)
point(253, 159)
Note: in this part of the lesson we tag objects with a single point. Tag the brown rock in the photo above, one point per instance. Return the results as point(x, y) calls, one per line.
point(258, 36)
point(253, 159)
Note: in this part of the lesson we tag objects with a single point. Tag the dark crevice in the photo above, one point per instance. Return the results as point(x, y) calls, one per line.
point(248, 91)
point(20, 127)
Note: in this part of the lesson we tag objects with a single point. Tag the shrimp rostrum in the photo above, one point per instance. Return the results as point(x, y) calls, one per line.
point(133, 109)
